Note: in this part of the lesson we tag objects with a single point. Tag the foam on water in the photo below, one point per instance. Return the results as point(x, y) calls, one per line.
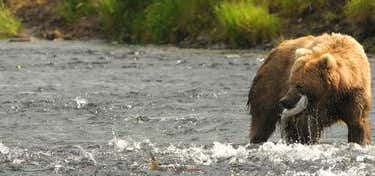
point(121, 145)
point(4, 149)
point(80, 102)
point(220, 151)
point(207, 156)
point(194, 153)
point(295, 152)
point(275, 152)
point(282, 159)
point(266, 159)
point(129, 144)
point(354, 171)
point(86, 154)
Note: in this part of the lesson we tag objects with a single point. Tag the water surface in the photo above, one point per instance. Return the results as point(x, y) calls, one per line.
point(86, 108)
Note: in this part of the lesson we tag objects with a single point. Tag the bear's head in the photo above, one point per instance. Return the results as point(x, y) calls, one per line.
point(311, 77)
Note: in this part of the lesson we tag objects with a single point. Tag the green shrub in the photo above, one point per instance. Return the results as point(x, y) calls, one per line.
point(120, 18)
point(297, 8)
point(9, 25)
point(174, 20)
point(360, 13)
point(161, 19)
point(245, 23)
point(361, 10)
point(72, 10)
point(109, 14)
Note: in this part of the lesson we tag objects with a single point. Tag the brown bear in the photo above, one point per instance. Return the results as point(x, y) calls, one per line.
point(310, 83)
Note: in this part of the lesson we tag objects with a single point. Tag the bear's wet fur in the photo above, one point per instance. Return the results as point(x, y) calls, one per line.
point(332, 70)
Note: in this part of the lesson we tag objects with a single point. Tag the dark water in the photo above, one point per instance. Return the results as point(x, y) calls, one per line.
point(87, 108)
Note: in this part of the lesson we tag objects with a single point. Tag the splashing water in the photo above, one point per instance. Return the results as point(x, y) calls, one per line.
point(4, 149)
point(266, 159)
point(280, 158)
point(86, 154)
point(80, 102)
point(121, 145)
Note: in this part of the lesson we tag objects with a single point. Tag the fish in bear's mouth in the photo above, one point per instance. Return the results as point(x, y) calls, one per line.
point(298, 108)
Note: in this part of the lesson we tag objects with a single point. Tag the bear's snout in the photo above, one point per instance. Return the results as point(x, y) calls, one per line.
point(284, 104)
point(289, 101)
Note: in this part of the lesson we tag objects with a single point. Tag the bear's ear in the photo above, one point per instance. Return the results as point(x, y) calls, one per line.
point(327, 61)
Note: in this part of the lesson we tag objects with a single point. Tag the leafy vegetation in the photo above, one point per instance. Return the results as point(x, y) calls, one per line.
point(237, 23)
point(361, 14)
point(246, 23)
point(299, 7)
point(119, 18)
point(72, 10)
point(360, 10)
point(175, 20)
point(9, 25)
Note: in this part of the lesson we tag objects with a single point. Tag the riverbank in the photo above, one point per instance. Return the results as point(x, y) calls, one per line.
point(193, 24)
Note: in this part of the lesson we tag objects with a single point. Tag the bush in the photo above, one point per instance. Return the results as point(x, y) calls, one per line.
point(72, 10)
point(9, 25)
point(175, 20)
point(161, 20)
point(245, 23)
point(299, 8)
point(361, 11)
point(120, 18)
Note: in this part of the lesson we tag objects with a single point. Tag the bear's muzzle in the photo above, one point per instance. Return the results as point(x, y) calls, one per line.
point(298, 107)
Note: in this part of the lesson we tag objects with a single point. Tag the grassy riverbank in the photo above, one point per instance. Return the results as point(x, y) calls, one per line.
point(9, 25)
point(195, 23)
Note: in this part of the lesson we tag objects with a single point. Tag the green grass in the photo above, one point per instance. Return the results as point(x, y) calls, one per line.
point(361, 10)
point(161, 20)
point(294, 6)
point(297, 8)
point(239, 23)
point(175, 20)
point(73, 10)
point(109, 15)
point(245, 23)
point(361, 14)
point(9, 25)
point(120, 18)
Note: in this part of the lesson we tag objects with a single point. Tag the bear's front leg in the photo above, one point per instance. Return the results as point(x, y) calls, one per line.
point(359, 131)
point(263, 125)
point(355, 114)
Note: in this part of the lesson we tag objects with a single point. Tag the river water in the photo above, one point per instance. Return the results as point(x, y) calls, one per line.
point(90, 108)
